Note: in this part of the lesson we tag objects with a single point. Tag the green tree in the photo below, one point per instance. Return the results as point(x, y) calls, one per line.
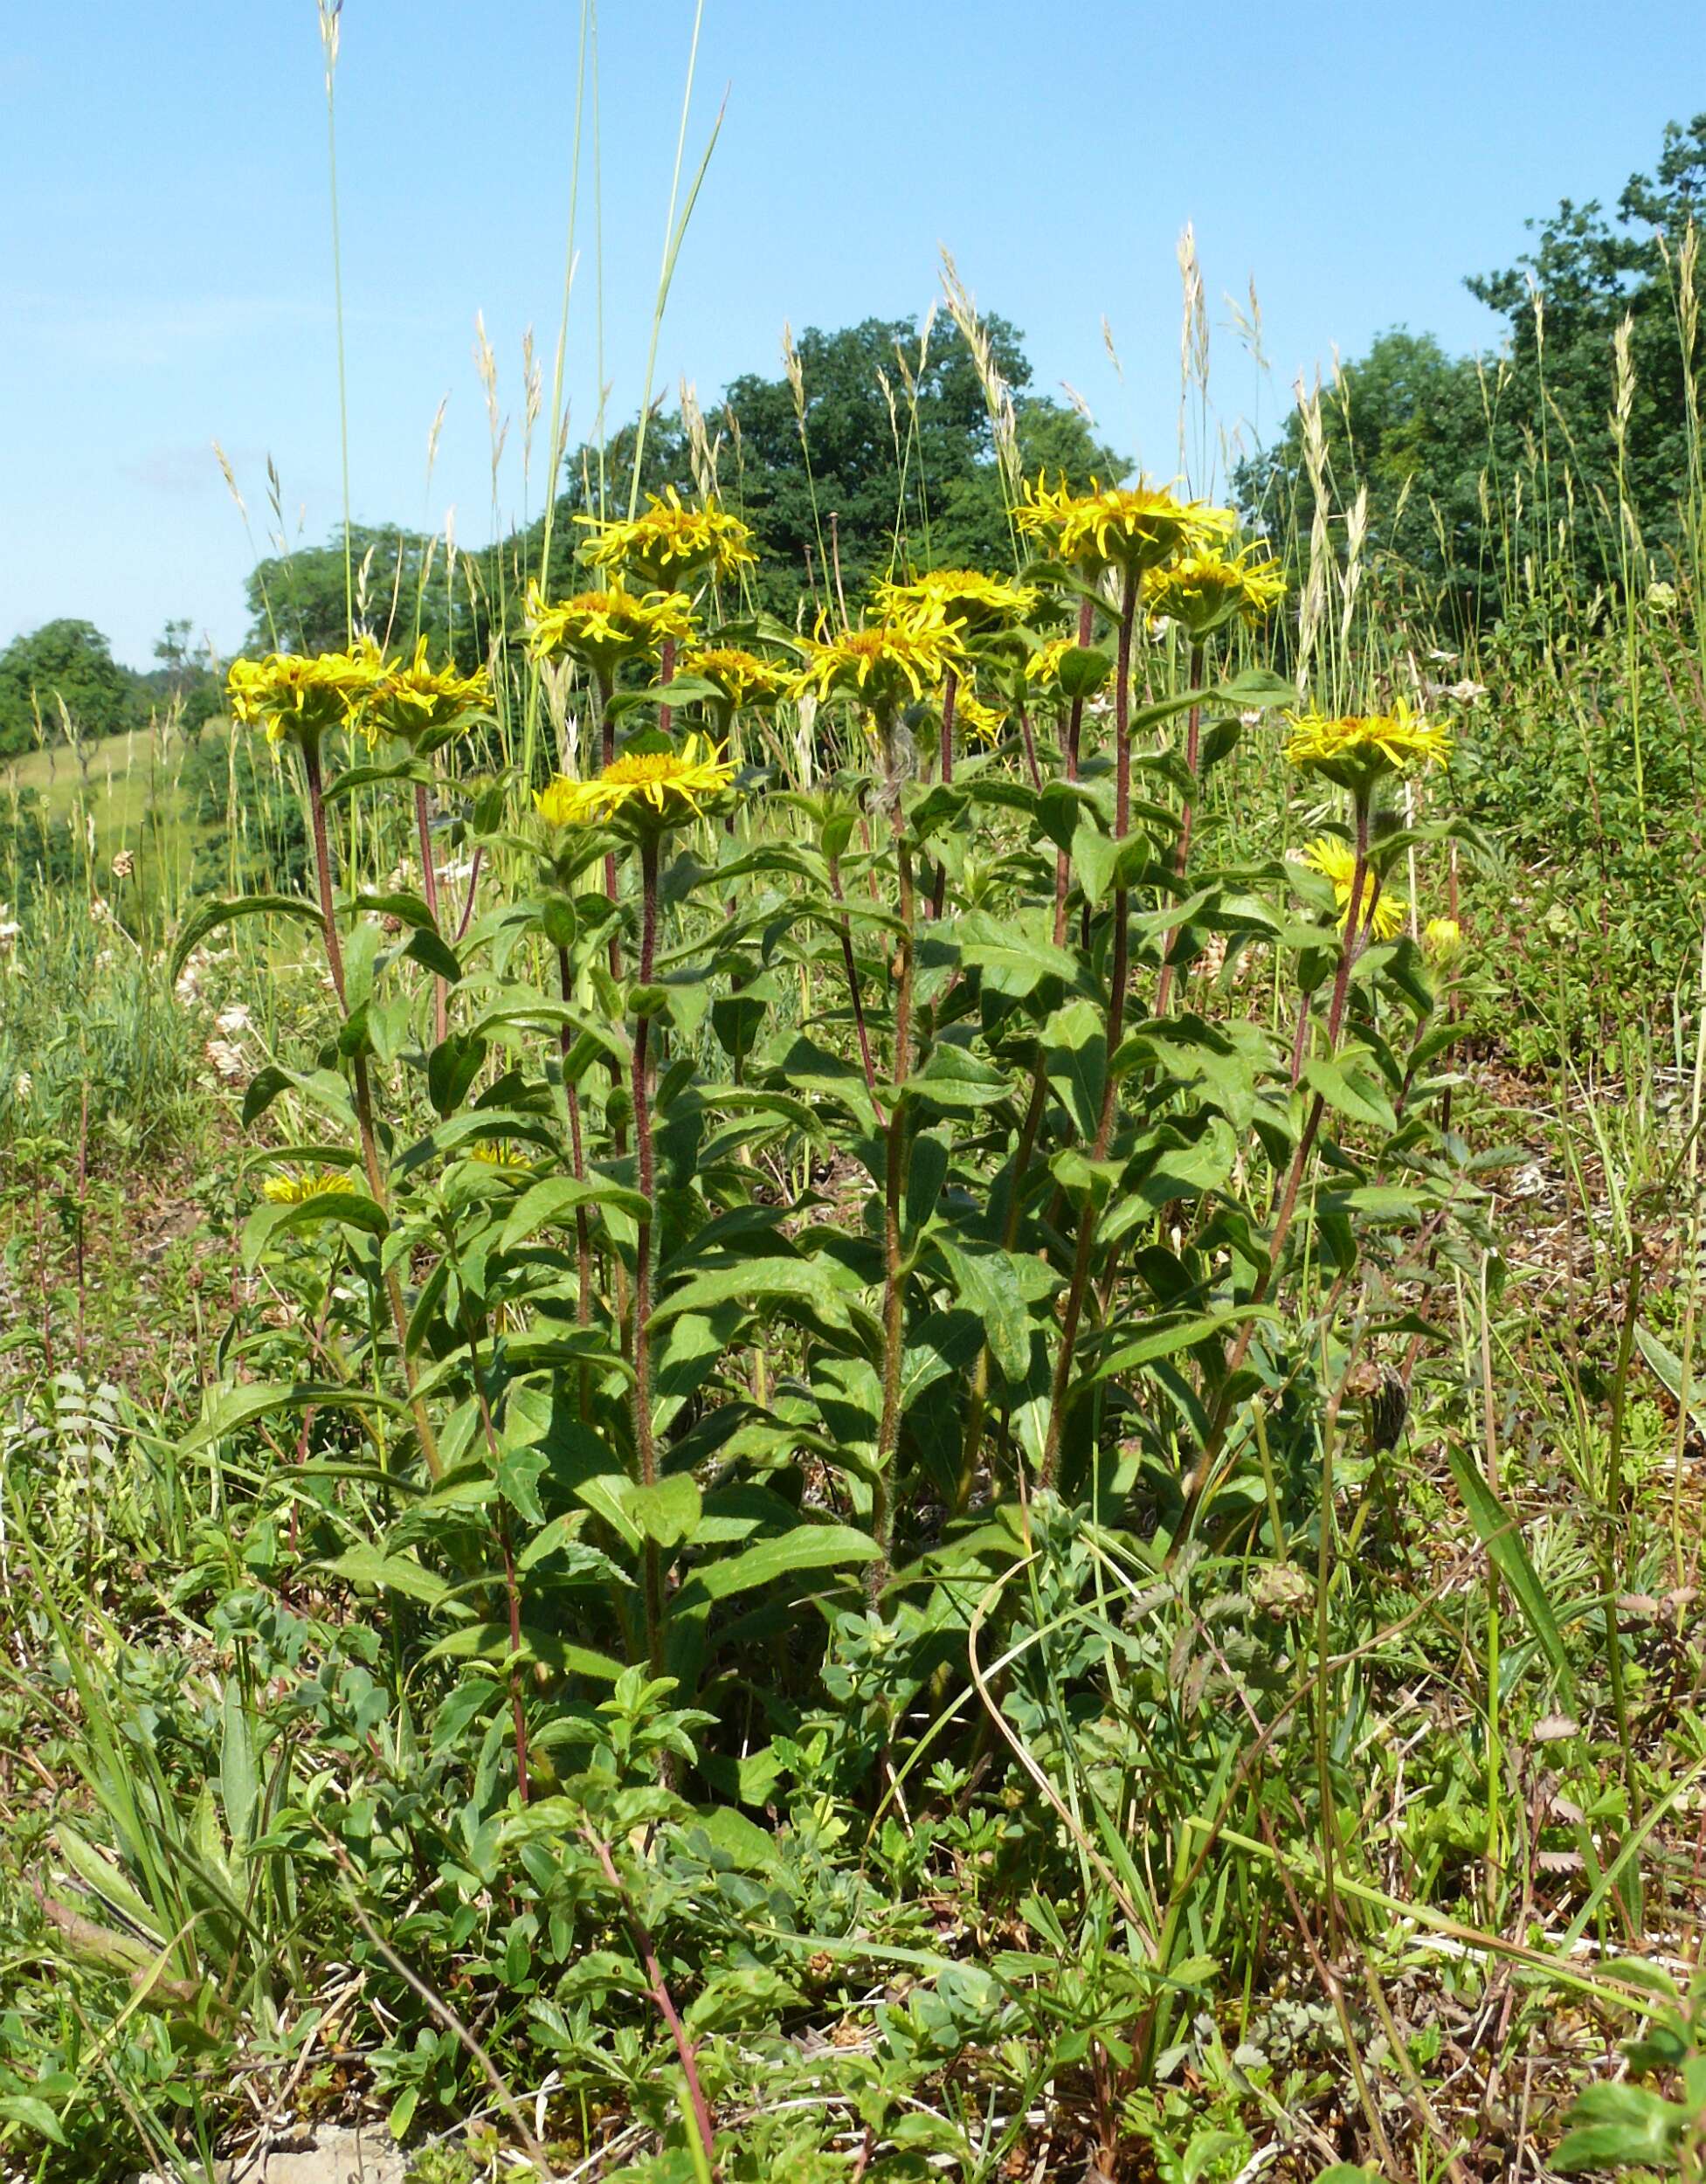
point(1478, 466)
point(895, 465)
point(405, 588)
point(67, 662)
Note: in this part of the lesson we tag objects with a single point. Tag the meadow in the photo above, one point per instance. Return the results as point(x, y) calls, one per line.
point(908, 1388)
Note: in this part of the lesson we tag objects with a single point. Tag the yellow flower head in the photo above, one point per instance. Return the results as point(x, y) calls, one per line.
point(1042, 669)
point(654, 786)
point(1204, 591)
point(884, 665)
point(1130, 528)
point(1443, 938)
point(976, 602)
point(603, 628)
point(671, 544)
point(983, 723)
point(742, 678)
point(410, 700)
point(497, 1154)
point(299, 695)
point(1336, 863)
point(1355, 749)
point(296, 1190)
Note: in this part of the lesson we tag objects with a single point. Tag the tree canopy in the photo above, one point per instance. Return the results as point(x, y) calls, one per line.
point(1444, 442)
point(65, 662)
point(894, 467)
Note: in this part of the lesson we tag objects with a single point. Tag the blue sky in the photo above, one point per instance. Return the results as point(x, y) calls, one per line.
point(165, 255)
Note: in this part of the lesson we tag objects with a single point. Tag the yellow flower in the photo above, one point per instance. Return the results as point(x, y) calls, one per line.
point(300, 694)
point(1131, 527)
point(603, 628)
point(1043, 667)
point(1443, 938)
point(975, 601)
point(410, 700)
point(742, 678)
point(671, 544)
point(495, 1154)
point(650, 781)
point(883, 666)
point(296, 1190)
point(1336, 862)
point(981, 722)
point(1355, 747)
point(1201, 592)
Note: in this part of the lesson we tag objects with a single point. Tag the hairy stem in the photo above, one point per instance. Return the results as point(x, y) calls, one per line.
point(363, 1092)
point(645, 1443)
point(1117, 972)
point(429, 881)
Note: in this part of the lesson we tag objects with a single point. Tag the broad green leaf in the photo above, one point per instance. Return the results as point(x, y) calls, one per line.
point(807, 1547)
point(666, 1513)
point(952, 1079)
point(816, 1284)
point(372, 1567)
point(551, 1204)
point(1668, 1366)
point(1074, 1047)
point(1359, 1097)
point(1010, 958)
point(988, 1282)
point(237, 1408)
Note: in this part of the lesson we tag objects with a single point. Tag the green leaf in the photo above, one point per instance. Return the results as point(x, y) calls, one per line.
point(1094, 857)
point(350, 1209)
point(1011, 959)
point(220, 912)
point(1668, 1366)
point(1074, 1047)
point(988, 1283)
point(237, 1407)
point(380, 1572)
point(1255, 687)
point(1497, 1529)
point(490, 1641)
point(1618, 2126)
point(666, 1513)
point(954, 1079)
point(806, 1547)
point(34, 2114)
point(1359, 1097)
point(451, 1067)
point(547, 1205)
point(1179, 1334)
point(816, 1283)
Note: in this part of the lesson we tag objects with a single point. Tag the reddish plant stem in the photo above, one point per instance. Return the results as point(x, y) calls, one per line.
point(950, 686)
point(666, 676)
point(1187, 819)
point(1030, 743)
point(660, 1996)
point(894, 1287)
point(363, 1092)
point(577, 1161)
point(1117, 972)
point(1356, 929)
point(1087, 613)
point(645, 1443)
point(474, 864)
point(429, 881)
point(853, 994)
point(511, 1584)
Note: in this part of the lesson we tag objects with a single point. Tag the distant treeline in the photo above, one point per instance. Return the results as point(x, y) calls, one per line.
point(876, 446)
